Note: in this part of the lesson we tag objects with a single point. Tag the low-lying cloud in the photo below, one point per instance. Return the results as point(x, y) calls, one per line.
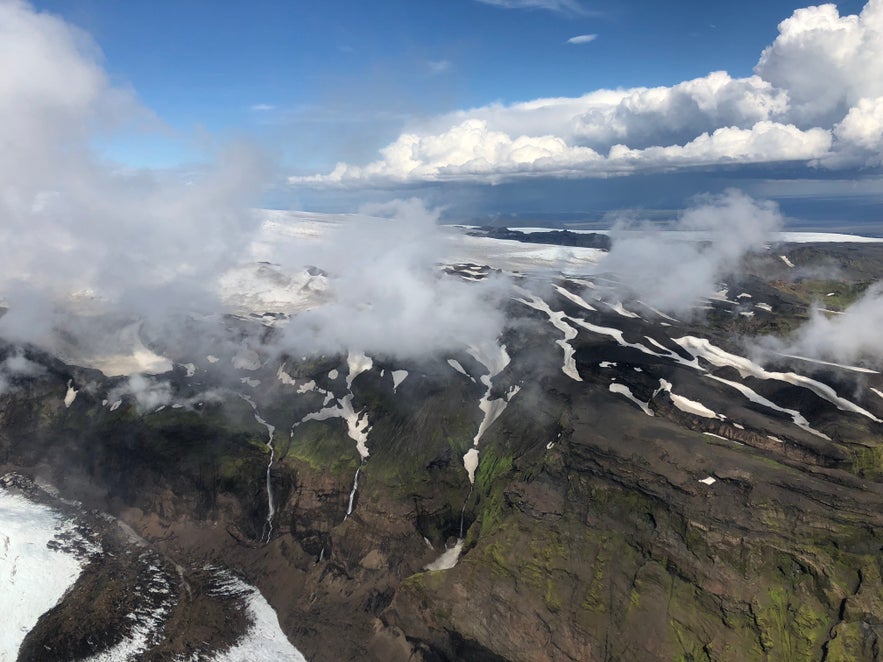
point(387, 294)
point(91, 254)
point(673, 271)
point(849, 338)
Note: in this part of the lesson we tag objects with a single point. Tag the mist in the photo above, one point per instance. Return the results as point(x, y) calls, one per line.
point(93, 253)
point(852, 337)
point(673, 268)
point(387, 293)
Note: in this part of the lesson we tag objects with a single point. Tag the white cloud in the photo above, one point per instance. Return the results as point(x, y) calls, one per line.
point(763, 143)
point(859, 136)
point(669, 273)
point(826, 62)
point(848, 338)
point(472, 151)
point(385, 293)
point(814, 98)
point(582, 39)
point(262, 107)
point(560, 6)
point(438, 66)
point(72, 223)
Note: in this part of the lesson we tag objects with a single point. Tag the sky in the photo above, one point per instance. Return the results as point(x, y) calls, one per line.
point(564, 110)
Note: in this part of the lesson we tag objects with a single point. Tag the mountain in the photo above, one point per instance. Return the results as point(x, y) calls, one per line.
point(602, 480)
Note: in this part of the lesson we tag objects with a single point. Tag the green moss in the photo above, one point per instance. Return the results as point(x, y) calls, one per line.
point(868, 462)
point(324, 446)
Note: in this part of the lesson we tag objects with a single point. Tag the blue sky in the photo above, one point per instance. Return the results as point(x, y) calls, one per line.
point(318, 83)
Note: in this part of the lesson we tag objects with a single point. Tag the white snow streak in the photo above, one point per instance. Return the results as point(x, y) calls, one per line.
point(701, 347)
point(622, 389)
point(557, 320)
point(685, 404)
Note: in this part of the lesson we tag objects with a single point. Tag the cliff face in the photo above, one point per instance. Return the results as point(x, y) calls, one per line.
point(610, 517)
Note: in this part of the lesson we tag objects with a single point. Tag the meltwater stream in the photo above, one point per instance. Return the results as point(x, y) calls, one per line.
point(267, 531)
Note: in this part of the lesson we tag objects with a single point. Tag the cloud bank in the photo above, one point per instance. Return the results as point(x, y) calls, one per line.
point(815, 98)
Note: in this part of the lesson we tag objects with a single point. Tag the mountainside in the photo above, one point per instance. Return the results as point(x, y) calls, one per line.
point(606, 481)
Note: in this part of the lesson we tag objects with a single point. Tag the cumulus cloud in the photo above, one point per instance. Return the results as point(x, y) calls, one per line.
point(582, 39)
point(826, 62)
point(859, 136)
point(814, 98)
point(672, 272)
point(471, 150)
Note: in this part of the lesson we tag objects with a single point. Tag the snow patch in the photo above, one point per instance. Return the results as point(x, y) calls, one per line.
point(575, 298)
point(708, 481)
point(71, 394)
point(285, 378)
point(398, 376)
point(470, 462)
point(448, 559)
point(557, 320)
point(456, 365)
point(620, 309)
point(685, 404)
point(622, 389)
point(357, 364)
point(755, 397)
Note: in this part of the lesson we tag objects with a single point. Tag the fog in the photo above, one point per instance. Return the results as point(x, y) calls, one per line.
point(90, 250)
point(849, 338)
point(673, 268)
